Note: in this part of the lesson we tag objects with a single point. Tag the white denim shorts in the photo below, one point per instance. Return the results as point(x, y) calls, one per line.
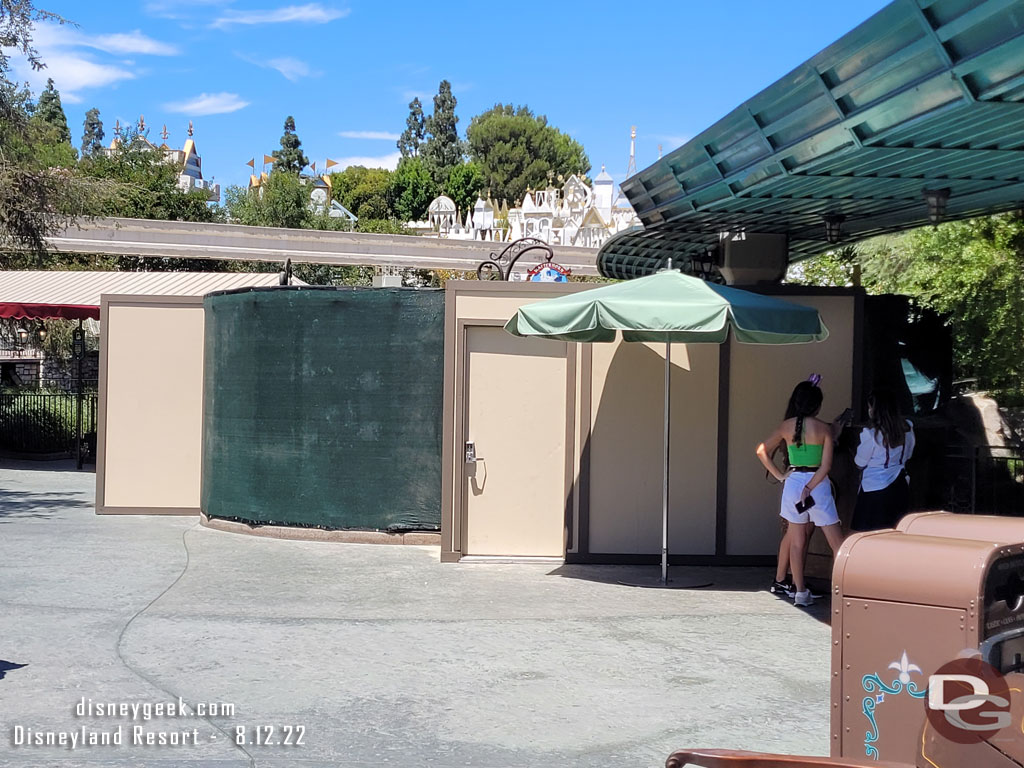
point(824, 510)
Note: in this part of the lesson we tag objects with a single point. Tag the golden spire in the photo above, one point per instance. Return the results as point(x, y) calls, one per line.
point(142, 123)
point(190, 129)
point(164, 134)
point(117, 127)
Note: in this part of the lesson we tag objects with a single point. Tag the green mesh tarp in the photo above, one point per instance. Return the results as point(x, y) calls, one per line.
point(323, 407)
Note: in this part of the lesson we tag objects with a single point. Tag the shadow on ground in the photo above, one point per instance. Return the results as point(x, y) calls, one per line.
point(20, 505)
point(45, 465)
point(7, 666)
point(695, 578)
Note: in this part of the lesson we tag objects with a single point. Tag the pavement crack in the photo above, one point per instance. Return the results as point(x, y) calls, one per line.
point(148, 678)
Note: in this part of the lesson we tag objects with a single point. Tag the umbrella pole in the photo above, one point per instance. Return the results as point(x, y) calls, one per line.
point(664, 485)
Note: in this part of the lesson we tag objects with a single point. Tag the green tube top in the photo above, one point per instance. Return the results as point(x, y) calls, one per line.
point(805, 455)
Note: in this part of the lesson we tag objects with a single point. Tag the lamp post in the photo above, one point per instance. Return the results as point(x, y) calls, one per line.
point(78, 351)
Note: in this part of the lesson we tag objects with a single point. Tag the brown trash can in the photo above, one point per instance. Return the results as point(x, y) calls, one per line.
point(993, 528)
point(903, 605)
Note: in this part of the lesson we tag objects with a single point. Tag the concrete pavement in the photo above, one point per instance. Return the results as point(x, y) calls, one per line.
point(380, 654)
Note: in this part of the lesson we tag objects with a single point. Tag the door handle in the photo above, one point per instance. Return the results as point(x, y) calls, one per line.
point(471, 457)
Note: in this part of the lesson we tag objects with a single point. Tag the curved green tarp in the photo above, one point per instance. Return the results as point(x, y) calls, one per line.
point(322, 407)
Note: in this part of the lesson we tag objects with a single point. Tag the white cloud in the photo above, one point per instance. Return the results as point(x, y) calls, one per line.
point(292, 69)
point(178, 9)
point(54, 36)
point(381, 135)
point(388, 162)
point(423, 96)
point(131, 42)
point(208, 104)
point(309, 13)
point(72, 73)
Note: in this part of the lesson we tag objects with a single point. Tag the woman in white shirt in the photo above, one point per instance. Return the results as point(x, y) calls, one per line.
point(886, 444)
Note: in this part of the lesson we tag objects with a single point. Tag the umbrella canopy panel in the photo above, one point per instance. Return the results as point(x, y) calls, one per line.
point(669, 307)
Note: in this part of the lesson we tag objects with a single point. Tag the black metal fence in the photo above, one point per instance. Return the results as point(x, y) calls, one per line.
point(44, 420)
point(986, 480)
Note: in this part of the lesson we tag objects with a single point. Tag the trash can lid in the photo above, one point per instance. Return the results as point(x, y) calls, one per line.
point(907, 568)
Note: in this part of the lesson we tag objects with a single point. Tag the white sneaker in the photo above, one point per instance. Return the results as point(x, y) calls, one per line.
point(803, 598)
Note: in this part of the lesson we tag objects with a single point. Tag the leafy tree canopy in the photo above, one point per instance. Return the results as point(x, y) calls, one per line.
point(516, 150)
point(281, 201)
point(364, 191)
point(412, 189)
point(464, 184)
point(141, 185)
point(969, 271)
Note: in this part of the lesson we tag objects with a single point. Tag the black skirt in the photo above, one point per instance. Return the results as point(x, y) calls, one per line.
point(882, 509)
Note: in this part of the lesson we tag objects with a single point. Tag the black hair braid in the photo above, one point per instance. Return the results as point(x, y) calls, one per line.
point(798, 434)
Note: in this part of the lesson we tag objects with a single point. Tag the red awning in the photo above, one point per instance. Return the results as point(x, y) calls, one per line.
point(76, 295)
point(43, 311)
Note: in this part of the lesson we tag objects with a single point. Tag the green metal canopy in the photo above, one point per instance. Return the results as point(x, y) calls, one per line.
point(669, 307)
point(926, 94)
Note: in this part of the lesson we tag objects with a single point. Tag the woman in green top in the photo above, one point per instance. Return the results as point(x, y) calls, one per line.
point(809, 443)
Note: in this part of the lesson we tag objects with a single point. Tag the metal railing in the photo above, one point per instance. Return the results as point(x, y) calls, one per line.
point(986, 479)
point(46, 420)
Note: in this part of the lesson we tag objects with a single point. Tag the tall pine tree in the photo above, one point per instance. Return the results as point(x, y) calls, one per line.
point(290, 157)
point(49, 111)
point(443, 149)
point(92, 135)
point(415, 130)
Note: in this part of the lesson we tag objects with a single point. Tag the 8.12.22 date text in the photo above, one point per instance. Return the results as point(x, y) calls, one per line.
point(270, 735)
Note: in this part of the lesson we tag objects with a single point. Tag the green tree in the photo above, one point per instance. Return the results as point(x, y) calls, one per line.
point(92, 133)
point(415, 130)
point(281, 201)
point(36, 200)
point(516, 151)
point(412, 189)
point(290, 157)
point(364, 191)
point(443, 150)
point(49, 111)
point(464, 185)
point(835, 268)
point(971, 271)
point(140, 184)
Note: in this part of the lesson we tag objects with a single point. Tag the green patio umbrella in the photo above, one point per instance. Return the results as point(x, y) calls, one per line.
point(669, 307)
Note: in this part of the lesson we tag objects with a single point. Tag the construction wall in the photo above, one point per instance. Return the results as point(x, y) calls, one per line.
point(725, 399)
point(149, 424)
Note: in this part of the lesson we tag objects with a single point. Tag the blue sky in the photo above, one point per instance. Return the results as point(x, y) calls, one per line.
point(347, 69)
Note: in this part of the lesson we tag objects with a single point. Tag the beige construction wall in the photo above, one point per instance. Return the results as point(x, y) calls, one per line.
point(150, 405)
point(761, 379)
point(717, 513)
point(627, 453)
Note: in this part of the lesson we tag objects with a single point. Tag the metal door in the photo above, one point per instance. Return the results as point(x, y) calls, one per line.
point(514, 448)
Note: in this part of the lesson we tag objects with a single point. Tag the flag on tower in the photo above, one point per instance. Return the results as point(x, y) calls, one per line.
point(252, 163)
point(313, 166)
point(330, 163)
point(268, 159)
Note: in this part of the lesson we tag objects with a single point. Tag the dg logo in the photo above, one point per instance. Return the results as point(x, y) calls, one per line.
point(968, 701)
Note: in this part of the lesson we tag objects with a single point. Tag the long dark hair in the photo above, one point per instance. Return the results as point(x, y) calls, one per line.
point(805, 401)
point(884, 416)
